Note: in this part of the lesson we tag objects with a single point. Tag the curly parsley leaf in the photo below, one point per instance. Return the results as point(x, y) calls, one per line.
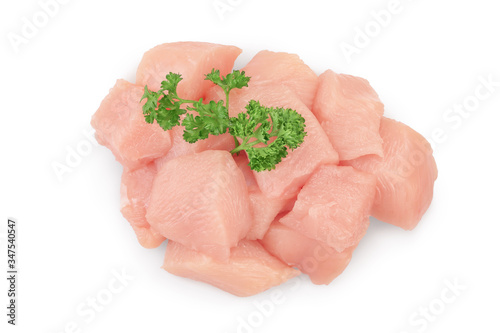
point(212, 119)
point(164, 105)
point(266, 134)
point(258, 125)
point(237, 79)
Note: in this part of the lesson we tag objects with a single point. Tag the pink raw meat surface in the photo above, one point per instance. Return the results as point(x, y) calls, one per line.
point(191, 59)
point(201, 201)
point(245, 231)
point(292, 172)
point(333, 207)
point(249, 271)
point(322, 263)
point(120, 126)
point(405, 175)
point(264, 209)
point(180, 147)
point(135, 193)
point(284, 68)
point(350, 111)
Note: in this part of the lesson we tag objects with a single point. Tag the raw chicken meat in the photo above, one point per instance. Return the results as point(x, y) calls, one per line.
point(349, 110)
point(405, 176)
point(120, 126)
point(245, 231)
point(264, 209)
point(191, 59)
point(181, 147)
point(333, 207)
point(290, 174)
point(322, 263)
point(284, 68)
point(135, 192)
point(249, 271)
point(201, 201)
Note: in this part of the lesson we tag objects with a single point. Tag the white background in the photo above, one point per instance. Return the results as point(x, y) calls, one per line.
point(72, 236)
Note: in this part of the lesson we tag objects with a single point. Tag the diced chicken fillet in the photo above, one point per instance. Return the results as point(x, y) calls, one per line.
point(405, 175)
point(135, 192)
point(284, 68)
point(263, 208)
point(333, 206)
point(180, 147)
point(191, 59)
point(249, 271)
point(120, 125)
point(201, 201)
point(350, 111)
point(291, 173)
point(322, 263)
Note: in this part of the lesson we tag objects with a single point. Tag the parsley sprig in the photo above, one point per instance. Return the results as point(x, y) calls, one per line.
point(266, 134)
